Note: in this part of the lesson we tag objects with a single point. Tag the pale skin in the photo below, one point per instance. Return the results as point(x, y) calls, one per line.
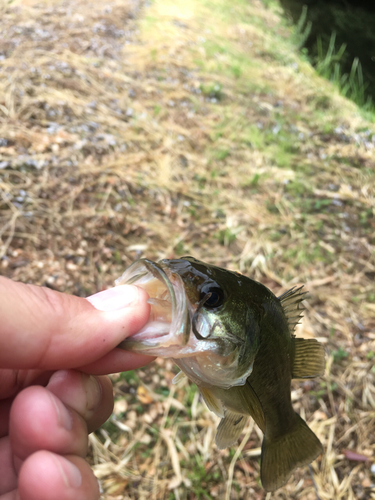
point(55, 352)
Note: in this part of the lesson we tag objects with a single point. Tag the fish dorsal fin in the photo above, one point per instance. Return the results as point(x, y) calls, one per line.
point(230, 429)
point(291, 302)
point(308, 359)
point(213, 403)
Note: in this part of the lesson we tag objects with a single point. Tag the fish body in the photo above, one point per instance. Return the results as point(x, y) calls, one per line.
point(234, 338)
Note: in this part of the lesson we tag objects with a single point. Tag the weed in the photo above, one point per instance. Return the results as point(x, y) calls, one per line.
point(202, 179)
point(157, 109)
point(212, 90)
point(180, 248)
point(339, 354)
point(271, 207)
point(275, 236)
point(227, 236)
point(297, 188)
point(350, 85)
point(191, 391)
point(200, 480)
point(131, 377)
point(253, 182)
point(365, 216)
point(320, 203)
point(221, 154)
point(236, 70)
point(153, 54)
point(253, 137)
point(302, 29)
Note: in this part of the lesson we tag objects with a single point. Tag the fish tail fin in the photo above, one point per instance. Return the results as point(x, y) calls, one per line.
point(280, 456)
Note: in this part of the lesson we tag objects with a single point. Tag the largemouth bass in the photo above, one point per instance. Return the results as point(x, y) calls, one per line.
point(234, 338)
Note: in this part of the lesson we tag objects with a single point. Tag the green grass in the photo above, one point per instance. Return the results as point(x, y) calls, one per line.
point(212, 90)
point(352, 85)
point(302, 29)
point(339, 355)
point(131, 377)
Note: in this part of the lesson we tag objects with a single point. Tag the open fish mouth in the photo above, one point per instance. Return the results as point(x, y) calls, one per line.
point(169, 322)
point(178, 329)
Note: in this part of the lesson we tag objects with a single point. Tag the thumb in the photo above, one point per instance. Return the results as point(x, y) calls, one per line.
point(44, 329)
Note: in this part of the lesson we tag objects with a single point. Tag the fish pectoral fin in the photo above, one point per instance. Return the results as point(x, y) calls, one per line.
point(254, 406)
point(213, 403)
point(280, 456)
point(309, 360)
point(230, 429)
point(242, 399)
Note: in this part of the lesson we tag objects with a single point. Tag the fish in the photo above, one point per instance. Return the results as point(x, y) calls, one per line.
point(233, 338)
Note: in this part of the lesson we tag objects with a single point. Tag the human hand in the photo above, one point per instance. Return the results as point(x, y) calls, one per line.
point(49, 343)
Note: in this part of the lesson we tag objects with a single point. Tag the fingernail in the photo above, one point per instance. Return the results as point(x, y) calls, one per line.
point(115, 298)
point(70, 473)
point(64, 416)
point(93, 394)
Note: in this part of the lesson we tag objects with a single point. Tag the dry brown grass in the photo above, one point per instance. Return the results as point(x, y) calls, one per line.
point(172, 129)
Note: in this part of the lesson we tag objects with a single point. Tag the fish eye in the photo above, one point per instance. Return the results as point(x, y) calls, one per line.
point(211, 296)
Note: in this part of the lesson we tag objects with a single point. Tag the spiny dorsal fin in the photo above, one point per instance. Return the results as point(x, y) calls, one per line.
point(309, 358)
point(291, 302)
point(229, 429)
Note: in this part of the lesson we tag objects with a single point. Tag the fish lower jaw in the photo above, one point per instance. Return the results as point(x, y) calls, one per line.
point(168, 345)
point(154, 346)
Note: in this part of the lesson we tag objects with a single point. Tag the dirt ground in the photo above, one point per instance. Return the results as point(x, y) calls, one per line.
point(163, 129)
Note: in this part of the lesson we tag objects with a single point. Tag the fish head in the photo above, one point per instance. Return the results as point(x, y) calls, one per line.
point(206, 318)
